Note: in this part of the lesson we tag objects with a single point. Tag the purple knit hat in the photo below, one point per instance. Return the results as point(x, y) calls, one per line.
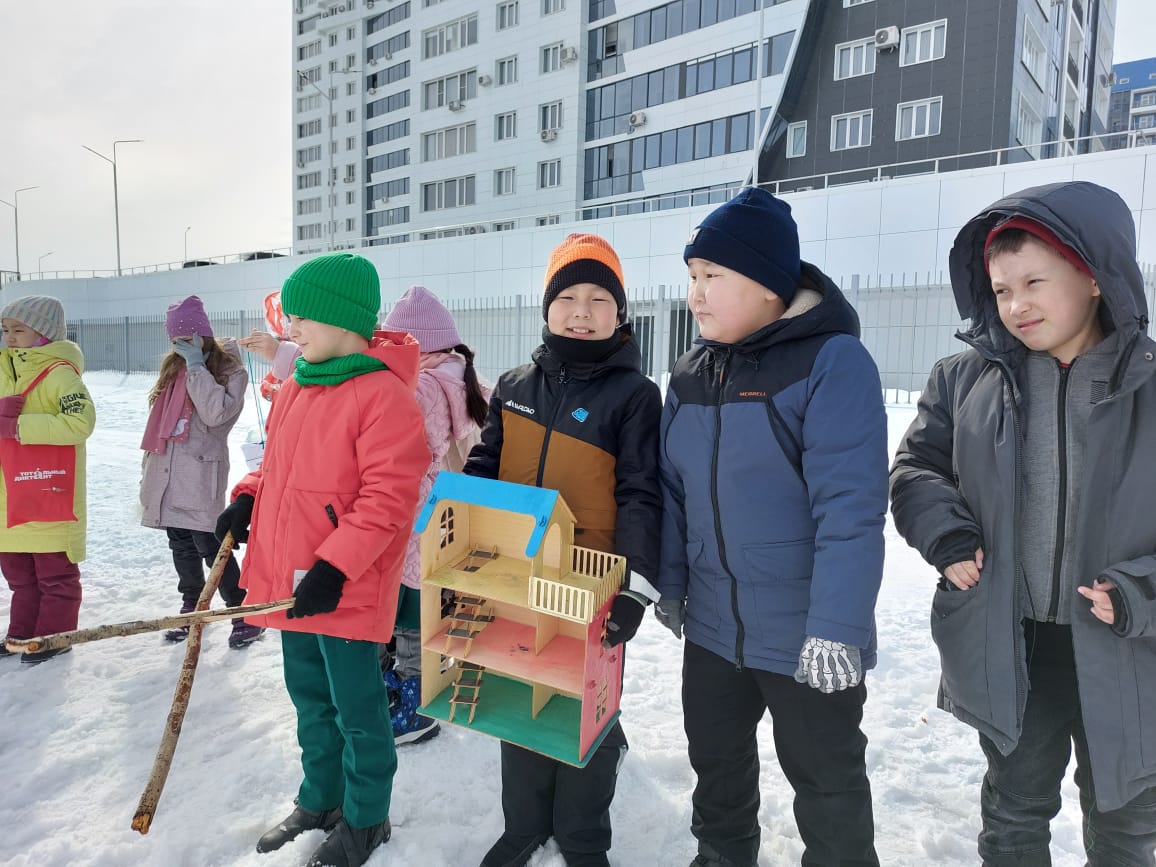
point(420, 313)
point(187, 318)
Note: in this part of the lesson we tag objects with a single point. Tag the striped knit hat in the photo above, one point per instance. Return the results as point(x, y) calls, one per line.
point(582, 258)
point(42, 313)
point(339, 289)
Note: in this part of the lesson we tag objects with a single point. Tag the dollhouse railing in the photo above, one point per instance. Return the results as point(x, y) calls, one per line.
point(579, 604)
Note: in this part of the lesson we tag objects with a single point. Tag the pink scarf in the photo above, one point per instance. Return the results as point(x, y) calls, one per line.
point(169, 417)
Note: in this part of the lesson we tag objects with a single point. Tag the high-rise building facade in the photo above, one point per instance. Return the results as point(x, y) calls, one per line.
point(1133, 103)
point(424, 118)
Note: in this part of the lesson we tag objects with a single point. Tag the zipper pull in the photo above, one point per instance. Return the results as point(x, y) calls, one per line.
point(562, 378)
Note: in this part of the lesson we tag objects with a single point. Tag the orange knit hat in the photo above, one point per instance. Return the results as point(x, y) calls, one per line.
point(583, 258)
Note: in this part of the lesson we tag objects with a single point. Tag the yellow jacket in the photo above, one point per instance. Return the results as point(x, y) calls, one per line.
point(58, 411)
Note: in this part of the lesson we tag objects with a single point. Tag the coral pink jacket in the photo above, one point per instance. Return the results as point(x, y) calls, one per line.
point(339, 482)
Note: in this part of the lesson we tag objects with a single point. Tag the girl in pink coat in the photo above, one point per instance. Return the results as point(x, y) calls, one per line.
point(453, 404)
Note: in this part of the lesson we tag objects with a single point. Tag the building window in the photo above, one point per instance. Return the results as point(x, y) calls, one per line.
point(1034, 54)
point(854, 58)
point(309, 206)
point(506, 126)
point(918, 119)
point(504, 182)
point(447, 527)
point(308, 180)
point(549, 7)
point(851, 130)
point(450, 37)
point(351, 115)
point(309, 233)
point(351, 142)
point(504, 226)
point(1144, 99)
point(1029, 129)
point(351, 88)
point(350, 224)
point(351, 34)
point(308, 155)
point(310, 127)
point(387, 133)
point(351, 198)
point(551, 220)
point(507, 16)
point(923, 43)
point(549, 174)
point(507, 69)
point(550, 116)
point(309, 103)
point(387, 19)
point(310, 49)
point(450, 193)
point(445, 143)
point(453, 88)
point(551, 58)
point(332, 44)
point(796, 139)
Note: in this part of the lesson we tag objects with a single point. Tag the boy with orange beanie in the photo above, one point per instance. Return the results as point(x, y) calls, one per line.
point(582, 419)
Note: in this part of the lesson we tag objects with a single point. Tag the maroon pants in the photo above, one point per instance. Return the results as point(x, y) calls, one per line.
point(45, 593)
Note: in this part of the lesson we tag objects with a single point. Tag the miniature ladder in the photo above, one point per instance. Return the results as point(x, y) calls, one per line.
point(467, 687)
point(467, 621)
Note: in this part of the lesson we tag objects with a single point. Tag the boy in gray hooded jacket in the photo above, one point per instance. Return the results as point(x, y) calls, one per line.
point(1027, 481)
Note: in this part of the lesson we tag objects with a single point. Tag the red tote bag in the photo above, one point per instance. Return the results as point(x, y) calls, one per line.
point(39, 480)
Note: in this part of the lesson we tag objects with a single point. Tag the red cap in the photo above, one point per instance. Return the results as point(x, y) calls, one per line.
point(1043, 233)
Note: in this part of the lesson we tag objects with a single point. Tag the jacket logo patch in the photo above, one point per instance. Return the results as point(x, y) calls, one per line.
point(581, 414)
point(527, 410)
point(759, 394)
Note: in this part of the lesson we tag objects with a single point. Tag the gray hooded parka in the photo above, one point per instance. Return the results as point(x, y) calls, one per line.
point(959, 470)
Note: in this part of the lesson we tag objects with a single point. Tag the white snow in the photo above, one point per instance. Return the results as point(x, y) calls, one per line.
point(78, 734)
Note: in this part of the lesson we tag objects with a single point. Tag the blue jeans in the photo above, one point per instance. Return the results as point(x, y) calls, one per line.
point(1021, 792)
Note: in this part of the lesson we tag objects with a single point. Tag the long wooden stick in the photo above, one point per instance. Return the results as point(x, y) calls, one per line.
point(137, 627)
point(143, 817)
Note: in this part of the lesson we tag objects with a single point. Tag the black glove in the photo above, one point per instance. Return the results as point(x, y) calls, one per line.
point(319, 591)
point(235, 519)
point(625, 617)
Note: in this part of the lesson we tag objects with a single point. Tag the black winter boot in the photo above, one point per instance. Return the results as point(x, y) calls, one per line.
point(585, 859)
point(296, 824)
point(349, 847)
point(708, 856)
point(512, 850)
point(180, 633)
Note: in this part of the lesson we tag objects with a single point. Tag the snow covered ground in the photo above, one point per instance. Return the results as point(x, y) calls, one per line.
point(78, 734)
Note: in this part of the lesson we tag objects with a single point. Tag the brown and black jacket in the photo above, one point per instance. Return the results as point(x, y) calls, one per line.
point(589, 431)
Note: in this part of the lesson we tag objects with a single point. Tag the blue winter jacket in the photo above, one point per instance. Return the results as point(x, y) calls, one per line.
point(774, 471)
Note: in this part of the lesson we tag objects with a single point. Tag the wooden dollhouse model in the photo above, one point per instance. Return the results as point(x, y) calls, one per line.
point(512, 618)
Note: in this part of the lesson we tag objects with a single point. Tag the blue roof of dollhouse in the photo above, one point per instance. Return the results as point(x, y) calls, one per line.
point(524, 499)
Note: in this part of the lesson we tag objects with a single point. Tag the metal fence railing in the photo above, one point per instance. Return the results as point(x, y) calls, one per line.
point(906, 328)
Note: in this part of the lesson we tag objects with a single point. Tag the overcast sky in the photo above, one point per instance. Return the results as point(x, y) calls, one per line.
point(205, 84)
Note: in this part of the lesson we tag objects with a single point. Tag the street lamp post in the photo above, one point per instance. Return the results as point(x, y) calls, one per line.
point(40, 265)
point(115, 195)
point(332, 178)
point(186, 244)
point(15, 206)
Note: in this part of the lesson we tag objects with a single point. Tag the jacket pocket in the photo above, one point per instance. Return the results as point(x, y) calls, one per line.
point(703, 588)
point(958, 627)
point(1144, 661)
point(778, 577)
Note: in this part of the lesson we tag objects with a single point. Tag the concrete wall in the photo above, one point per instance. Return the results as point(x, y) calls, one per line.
point(882, 233)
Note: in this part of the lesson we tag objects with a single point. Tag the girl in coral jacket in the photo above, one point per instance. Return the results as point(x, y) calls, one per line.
point(44, 406)
point(196, 401)
point(454, 405)
point(328, 517)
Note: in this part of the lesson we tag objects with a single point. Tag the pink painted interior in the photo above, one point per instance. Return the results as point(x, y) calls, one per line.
point(602, 665)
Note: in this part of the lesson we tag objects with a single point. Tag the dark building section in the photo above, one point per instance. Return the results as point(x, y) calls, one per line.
point(881, 88)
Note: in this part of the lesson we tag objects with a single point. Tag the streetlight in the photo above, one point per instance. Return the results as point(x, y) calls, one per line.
point(15, 206)
point(332, 179)
point(40, 265)
point(186, 244)
point(115, 197)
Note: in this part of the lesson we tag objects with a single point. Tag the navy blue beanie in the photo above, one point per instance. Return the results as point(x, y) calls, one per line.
point(755, 235)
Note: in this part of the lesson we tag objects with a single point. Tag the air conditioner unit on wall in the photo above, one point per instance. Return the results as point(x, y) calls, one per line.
point(886, 37)
point(485, 80)
point(569, 54)
point(373, 61)
point(637, 119)
point(372, 91)
point(454, 105)
point(548, 134)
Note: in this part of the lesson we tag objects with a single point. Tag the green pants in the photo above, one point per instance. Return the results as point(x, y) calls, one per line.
point(347, 751)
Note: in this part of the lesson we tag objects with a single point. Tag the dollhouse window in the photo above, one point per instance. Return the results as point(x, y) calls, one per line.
point(447, 527)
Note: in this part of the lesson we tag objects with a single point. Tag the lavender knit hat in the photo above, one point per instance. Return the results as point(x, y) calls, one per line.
point(42, 313)
point(420, 313)
point(188, 318)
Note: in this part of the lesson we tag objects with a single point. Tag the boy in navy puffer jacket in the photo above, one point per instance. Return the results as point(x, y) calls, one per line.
point(774, 472)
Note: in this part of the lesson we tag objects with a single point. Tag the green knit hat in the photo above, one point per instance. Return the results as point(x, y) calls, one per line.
point(339, 289)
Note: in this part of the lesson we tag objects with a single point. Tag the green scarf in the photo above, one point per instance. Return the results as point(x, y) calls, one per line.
point(336, 370)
